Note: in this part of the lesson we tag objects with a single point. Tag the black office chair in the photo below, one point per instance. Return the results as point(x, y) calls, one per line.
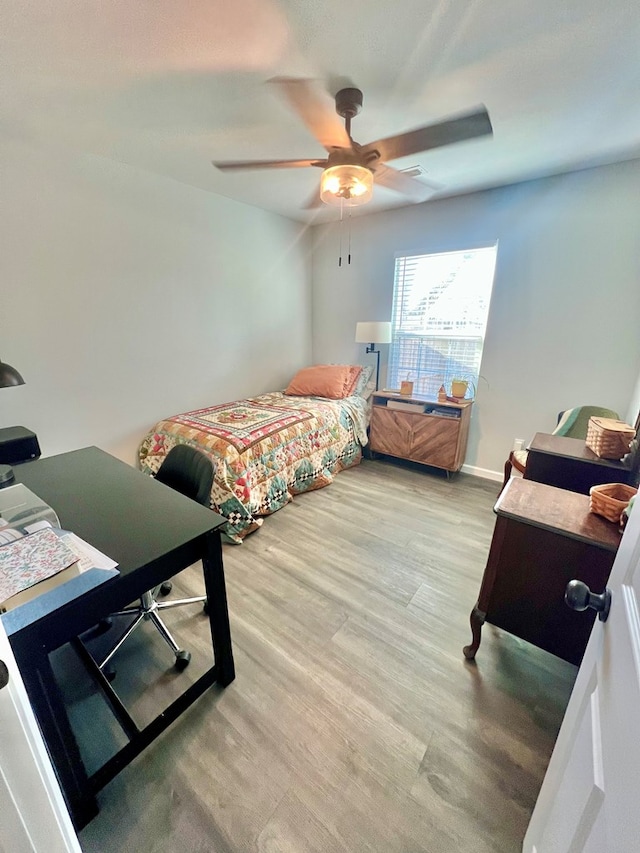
point(189, 472)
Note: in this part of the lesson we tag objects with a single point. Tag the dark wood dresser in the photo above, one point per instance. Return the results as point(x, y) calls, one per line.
point(569, 464)
point(543, 538)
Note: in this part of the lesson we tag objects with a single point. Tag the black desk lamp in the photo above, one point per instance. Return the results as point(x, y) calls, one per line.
point(9, 377)
point(372, 334)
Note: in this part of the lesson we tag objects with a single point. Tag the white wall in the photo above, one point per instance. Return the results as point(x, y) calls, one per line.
point(565, 311)
point(126, 297)
point(633, 411)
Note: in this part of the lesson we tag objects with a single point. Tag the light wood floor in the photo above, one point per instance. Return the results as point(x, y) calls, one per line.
point(354, 722)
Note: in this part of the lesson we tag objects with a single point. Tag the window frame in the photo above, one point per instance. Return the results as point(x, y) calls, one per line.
point(427, 380)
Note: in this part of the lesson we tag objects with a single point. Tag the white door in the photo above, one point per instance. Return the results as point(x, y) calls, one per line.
point(34, 815)
point(590, 797)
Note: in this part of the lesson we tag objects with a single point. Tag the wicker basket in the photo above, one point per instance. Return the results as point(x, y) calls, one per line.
point(610, 499)
point(608, 438)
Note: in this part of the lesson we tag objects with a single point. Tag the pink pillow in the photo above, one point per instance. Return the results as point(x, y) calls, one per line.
point(355, 371)
point(323, 380)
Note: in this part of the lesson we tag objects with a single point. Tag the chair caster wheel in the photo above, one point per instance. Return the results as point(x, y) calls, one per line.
point(182, 660)
point(166, 587)
point(205, 608)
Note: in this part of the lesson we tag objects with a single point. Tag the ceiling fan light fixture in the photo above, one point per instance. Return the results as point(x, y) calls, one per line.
point(348, 183)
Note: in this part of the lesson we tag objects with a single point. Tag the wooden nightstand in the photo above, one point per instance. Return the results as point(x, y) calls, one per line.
point(543, 538)
point(420, 430)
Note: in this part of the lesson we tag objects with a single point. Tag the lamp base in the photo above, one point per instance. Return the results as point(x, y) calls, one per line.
point(18, 444)
point(7, 477)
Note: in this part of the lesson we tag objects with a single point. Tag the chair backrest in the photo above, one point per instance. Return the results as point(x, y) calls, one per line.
point(574, 422)
point(189, 472)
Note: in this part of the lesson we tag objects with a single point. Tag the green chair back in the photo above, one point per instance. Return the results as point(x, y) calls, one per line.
point(573, 423)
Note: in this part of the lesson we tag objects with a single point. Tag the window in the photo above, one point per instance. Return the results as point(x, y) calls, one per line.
point(440, 311)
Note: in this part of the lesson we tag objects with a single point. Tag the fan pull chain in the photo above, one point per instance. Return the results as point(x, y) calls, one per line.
point(340, 258)
point(349, 255)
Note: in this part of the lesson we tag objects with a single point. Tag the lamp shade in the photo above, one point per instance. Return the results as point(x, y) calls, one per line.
point(373, 333)
point(9, 376)
point(348, 183)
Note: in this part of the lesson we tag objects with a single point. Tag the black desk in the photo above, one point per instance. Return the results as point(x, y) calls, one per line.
point(153, 532)
point(567, 463)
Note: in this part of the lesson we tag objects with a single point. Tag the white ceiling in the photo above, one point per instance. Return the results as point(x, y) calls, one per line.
point(169, 85)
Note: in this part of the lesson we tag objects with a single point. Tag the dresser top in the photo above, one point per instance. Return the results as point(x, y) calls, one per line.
point(557, 510)
point(416, 398)
point(571, 448)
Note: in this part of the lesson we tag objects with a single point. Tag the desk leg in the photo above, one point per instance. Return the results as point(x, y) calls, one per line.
point(218, 610)
point(51, 714)
point(477, 621)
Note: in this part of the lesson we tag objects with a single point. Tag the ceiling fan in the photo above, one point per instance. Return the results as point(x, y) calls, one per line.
point(350, 169)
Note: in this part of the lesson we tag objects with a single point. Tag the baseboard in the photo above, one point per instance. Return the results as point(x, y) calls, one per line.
point(498, 476)
point(485, 473)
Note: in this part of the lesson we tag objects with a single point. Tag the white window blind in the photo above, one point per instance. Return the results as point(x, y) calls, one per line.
point(440, 312)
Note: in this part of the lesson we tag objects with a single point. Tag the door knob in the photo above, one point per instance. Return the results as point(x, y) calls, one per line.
point(4, 674)
point(578, 596)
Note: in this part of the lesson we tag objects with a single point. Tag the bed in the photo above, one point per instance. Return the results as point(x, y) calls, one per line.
point(268, 448)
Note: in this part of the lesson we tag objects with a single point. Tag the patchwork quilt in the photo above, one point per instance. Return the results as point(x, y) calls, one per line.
point(264, 450)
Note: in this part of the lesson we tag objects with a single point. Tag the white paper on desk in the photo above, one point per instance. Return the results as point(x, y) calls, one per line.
point(90, 557)
point(9, 532)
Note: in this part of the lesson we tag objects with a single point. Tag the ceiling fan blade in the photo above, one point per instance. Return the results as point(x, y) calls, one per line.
point(315, 109)
point(229, 165)
point(405, 184)
point(447, 132)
